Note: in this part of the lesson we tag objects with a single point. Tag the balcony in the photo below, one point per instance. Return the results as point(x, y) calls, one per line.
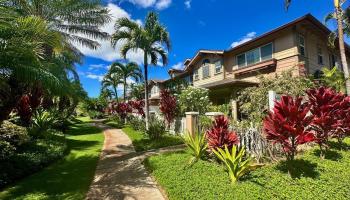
point(264, 65)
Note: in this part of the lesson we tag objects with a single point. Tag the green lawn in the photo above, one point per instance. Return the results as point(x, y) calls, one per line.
point(313, 178)
point(142, 143)
point(68, 178)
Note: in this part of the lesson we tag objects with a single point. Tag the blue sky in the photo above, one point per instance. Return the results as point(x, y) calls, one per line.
point(194, 25)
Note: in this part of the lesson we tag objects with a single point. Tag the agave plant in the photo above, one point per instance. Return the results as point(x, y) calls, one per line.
point(235, 163)
point(196, 144)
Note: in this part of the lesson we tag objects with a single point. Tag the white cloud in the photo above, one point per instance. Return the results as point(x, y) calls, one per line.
point(106, 51)
point(179, 65)
point(97, 66)
point(94, 76)
point(158, 4)
point(188, 4)
point(246, 38)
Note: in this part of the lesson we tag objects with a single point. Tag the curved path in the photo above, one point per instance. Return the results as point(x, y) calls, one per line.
point(120, 173)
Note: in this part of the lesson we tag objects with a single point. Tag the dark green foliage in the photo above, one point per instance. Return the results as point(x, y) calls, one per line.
point(137, 124)
point(313, 178)
point(31, 157)
point(68, 178)
point(156, 128)
point(254, 100)
point(115, 121)
point(142, 142)
point(13, 134)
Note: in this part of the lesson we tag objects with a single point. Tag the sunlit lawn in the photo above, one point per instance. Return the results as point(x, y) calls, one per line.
point(70, 177)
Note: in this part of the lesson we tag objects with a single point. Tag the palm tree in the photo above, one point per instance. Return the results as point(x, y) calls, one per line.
point(339, 17)
point(137, 91)
point(129, 70)
point(150, 38)
point(112, 80)
point(72, 19)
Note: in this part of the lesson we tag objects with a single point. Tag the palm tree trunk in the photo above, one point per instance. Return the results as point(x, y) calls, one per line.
point(124, 89)
point(145, 65)
point(342, 48)
point(115, 93)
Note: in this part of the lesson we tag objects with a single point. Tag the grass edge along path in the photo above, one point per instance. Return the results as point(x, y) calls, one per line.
point(314, 178)
point(142, 143)
point(68, 178)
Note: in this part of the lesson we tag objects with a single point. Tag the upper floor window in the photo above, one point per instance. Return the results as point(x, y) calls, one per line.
point(301, 44)
point(319, 55)
point(155, 90)
point(333, 60)
point(195, 74)
point(218, 66)
point(254, 56)
point(205, 68)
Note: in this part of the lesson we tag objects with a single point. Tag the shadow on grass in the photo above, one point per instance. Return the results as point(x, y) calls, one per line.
point(82, 129)
point(339, 146)
point(147, 143)
point(299, 168)
point(329, 154)
point(67, 179)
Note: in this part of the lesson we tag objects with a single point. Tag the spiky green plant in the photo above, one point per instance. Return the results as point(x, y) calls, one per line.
point(236, 161)
point(196, 144)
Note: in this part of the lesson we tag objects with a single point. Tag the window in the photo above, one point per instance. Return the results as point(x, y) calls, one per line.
point(333, 60)
point(319, 55)
point(241, 60)
point(301, 40)
point(205, 68)
point(266, 52)
point(195, 74)
point(218, 66)
point(254, 56)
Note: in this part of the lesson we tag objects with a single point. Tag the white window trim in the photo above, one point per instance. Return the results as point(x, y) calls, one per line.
point(220, 70)
point(206, 65)
point(260, 58)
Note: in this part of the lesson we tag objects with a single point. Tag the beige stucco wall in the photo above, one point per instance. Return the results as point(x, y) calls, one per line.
point(213, 77)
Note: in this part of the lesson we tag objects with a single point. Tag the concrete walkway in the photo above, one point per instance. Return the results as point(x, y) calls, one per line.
point(120, 173)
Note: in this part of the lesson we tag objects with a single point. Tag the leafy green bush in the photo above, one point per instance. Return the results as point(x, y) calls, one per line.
point(93, 114)
point(41, 122)
point(6, 150)
point(137, 124)
point(205, 123)
point(224, 108)
point(13, 134)
point(233, 159)
point(254, 100)
point(31, 157)
point(194, 99)
point(156, 128)
point(197, 145)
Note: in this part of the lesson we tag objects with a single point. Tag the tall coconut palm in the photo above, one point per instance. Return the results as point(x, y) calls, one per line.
point(129, 70)
point(340, 30)
point(152, 39)
point(112, 80)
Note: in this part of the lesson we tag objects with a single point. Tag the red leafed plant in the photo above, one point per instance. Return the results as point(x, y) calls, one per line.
point(24, 110)
point(219, 134)
point(325, 108)
point(167, 106)
point(342, 126)
point(287, 125)
point(122, 109)
point(138, 105)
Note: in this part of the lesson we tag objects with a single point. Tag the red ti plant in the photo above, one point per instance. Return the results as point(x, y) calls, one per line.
point(287, 125)
point(219, 135)
point(342, 126)
point(167, 106)
point(325, 108)
point(24, 110)
point(123, 109)
point(138, 105)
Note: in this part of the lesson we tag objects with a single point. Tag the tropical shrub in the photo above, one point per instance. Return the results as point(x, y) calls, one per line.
point(220, 136)
point(194, 99)
point(121, 109)
point(6, 150)
point(325, 107)
point(138, 105)
point(167, 106)
point(333, 78)
point(287, 125)
point(156, 128)
point(254, 100)
point(236, 161)
point(196, 144)
point(224, 108)
point(13, 134)
point(342, 127)
point(205, 123)
point(41, 122)
point(137, 124)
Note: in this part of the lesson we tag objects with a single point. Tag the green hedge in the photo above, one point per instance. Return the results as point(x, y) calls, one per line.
point(31, 157)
